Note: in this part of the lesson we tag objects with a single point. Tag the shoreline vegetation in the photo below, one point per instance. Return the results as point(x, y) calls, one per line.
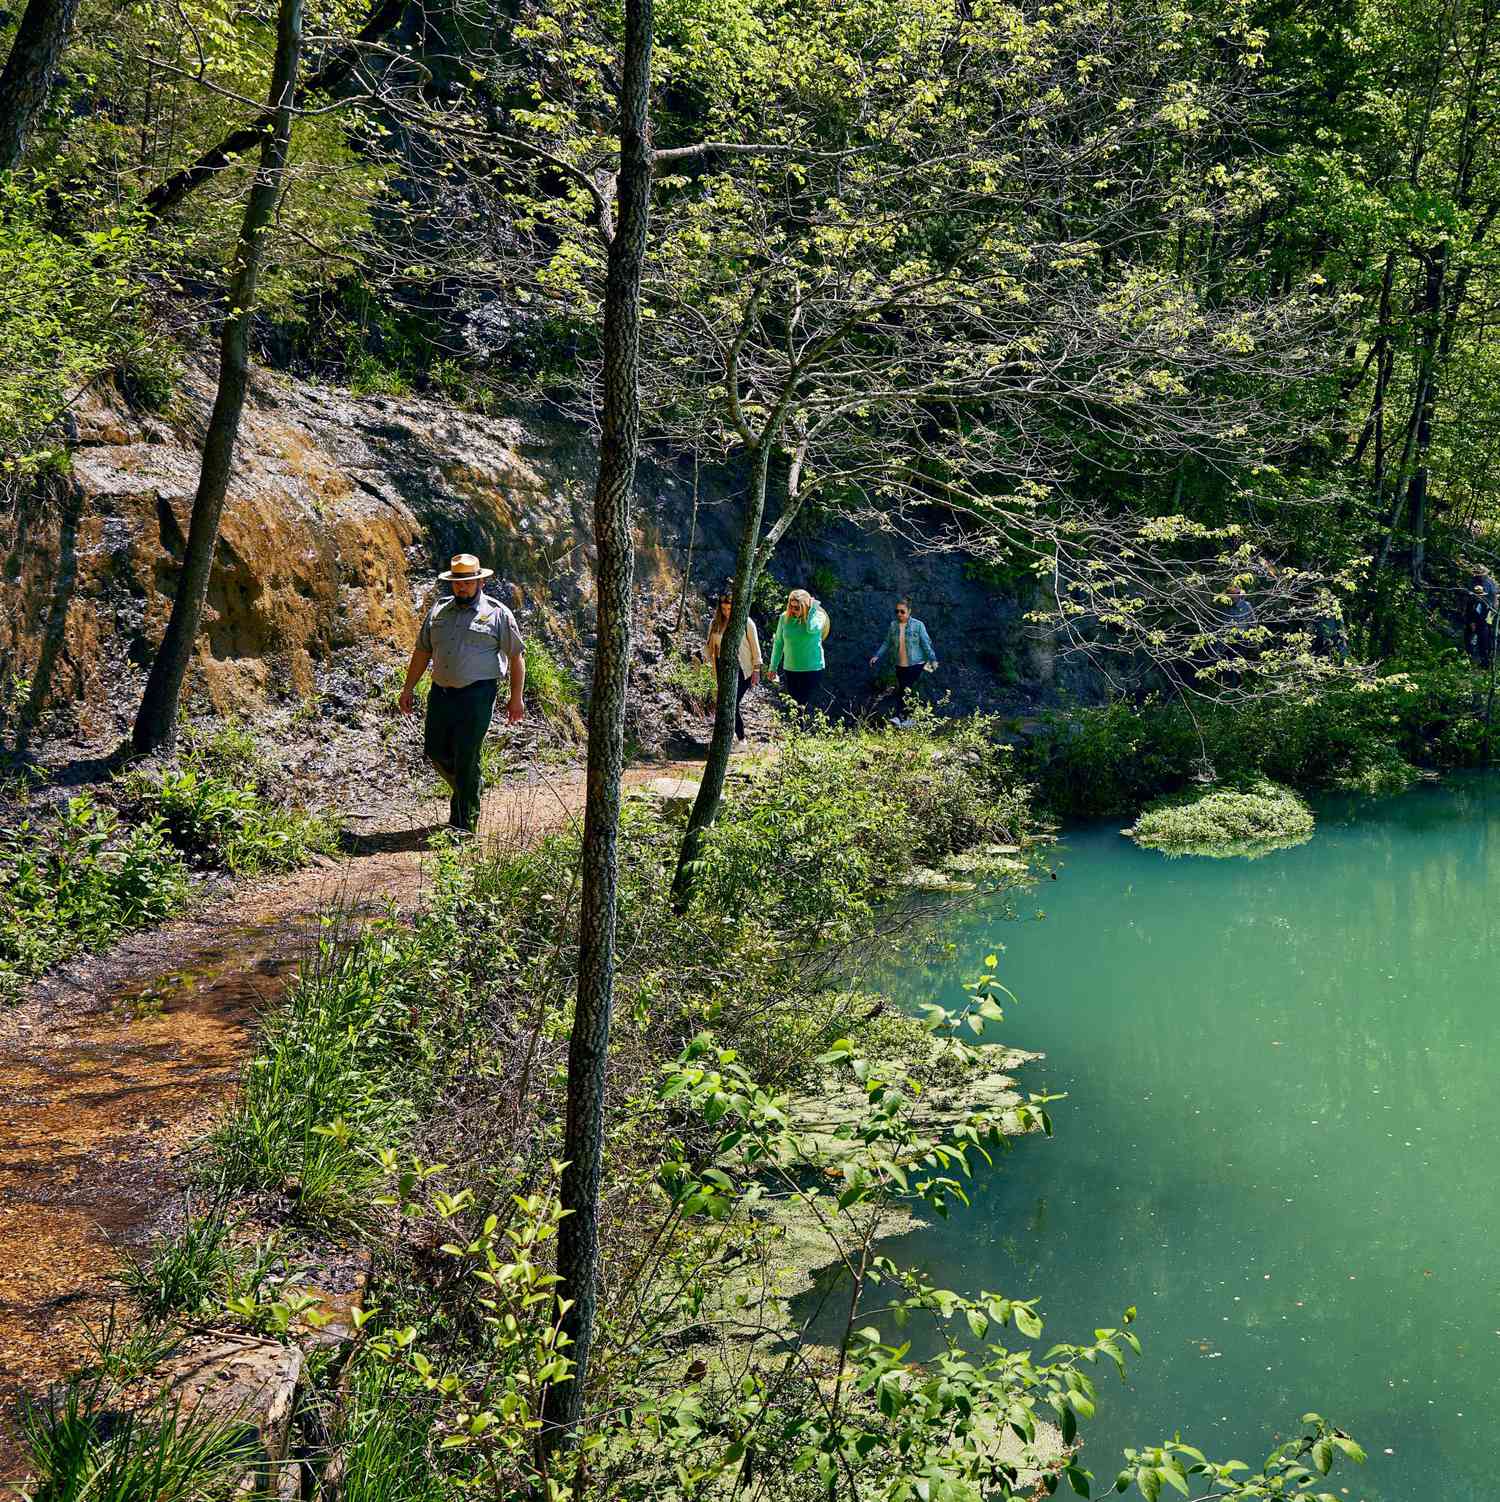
point(772, 1121)
point(1373, 736)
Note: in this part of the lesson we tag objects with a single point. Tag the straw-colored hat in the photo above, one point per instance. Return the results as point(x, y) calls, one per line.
point(463, 566)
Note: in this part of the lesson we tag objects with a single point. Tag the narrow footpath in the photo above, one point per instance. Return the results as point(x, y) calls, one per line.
point(115, 1066)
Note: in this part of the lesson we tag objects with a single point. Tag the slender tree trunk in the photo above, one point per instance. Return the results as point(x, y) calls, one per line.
point(754, 554)
point(27, 78)
point(588, 1050)
point(156, 721)
point(1416, 490)
point(1398, 497)
point(716, 767)
point(1375, 423)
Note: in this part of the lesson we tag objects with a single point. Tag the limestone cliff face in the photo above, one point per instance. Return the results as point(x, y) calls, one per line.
point(340, 512)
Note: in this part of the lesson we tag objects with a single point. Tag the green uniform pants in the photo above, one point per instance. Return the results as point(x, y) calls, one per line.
point(457, 719)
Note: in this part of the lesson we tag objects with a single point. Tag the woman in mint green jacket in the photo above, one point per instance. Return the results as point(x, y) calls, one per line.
point(800, 633)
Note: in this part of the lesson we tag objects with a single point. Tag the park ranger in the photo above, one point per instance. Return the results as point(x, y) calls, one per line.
point(471, 641)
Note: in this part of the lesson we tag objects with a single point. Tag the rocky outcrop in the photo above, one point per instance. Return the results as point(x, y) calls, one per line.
point(339, 512)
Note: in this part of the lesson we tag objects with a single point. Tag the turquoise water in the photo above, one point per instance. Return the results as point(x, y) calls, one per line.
point(1282, 1136)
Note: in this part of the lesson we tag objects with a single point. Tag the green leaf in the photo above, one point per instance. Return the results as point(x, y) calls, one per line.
point(1078, 1480)
point(1027, 1323)
point(1322, 1455)
point(1173, 1477)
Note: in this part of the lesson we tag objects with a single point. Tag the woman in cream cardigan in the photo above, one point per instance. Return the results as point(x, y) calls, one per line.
point(749, 654)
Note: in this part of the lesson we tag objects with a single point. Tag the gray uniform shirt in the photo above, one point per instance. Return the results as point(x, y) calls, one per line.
point(469, 640)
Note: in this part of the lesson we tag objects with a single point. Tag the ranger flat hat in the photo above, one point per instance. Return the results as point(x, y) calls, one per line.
point(465, 566)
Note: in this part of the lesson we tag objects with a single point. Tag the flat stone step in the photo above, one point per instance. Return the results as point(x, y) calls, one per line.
point(243, 1380)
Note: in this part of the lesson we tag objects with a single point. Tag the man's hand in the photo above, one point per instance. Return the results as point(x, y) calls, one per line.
point(755, 679)
point(406, 703)
point(515, 711)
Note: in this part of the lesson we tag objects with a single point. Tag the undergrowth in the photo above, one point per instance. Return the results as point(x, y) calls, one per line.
point(692, 678)
point(223, 808)
point(79, 882)
point(552, 691)
point(411, 1090)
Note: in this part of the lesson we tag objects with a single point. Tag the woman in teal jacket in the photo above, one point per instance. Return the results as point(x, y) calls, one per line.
point(909, 648)
point(800, 632)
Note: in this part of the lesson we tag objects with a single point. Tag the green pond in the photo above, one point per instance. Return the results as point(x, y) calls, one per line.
point(1281, 1141)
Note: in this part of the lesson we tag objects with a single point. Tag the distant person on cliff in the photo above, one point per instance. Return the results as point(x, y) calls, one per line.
point(1481, 578)
point(1241, 613)
point(909, 649)
point(471, 641)
point(801, 631)
point(1479, 628)
point(749, 664)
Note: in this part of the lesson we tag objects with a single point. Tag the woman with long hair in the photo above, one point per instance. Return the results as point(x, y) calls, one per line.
point(749, 659)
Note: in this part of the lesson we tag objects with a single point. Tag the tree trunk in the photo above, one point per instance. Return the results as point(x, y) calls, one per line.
point(156, 722)
point(27, 79)
point(753, 556)
point(1430, 317)
point(716, 767)
point(588, 1049)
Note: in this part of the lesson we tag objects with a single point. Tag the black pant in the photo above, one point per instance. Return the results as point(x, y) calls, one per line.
point(739, 698)
point(907, 679)
point(457, 720)
point(804, 687)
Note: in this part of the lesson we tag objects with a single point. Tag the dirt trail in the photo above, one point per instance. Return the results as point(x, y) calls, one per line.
point(115, 1067)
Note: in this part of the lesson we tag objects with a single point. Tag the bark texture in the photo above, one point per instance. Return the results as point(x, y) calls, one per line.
point(588, 1050)
point(156, 721)
point(27, 79)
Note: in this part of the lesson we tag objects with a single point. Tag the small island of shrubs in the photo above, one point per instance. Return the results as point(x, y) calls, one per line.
point(1249, 818)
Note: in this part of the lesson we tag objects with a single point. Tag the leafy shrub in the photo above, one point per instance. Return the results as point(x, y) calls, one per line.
point(692, 678)
point(1114, 759)
point(768, 598)
point(70, 306)
point(218, 808)
point(148, 375)
point(79, 884)
point(218, 823)
point(838, 818)
point(369, 375)
point(1225, 821)
point(552, 690)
